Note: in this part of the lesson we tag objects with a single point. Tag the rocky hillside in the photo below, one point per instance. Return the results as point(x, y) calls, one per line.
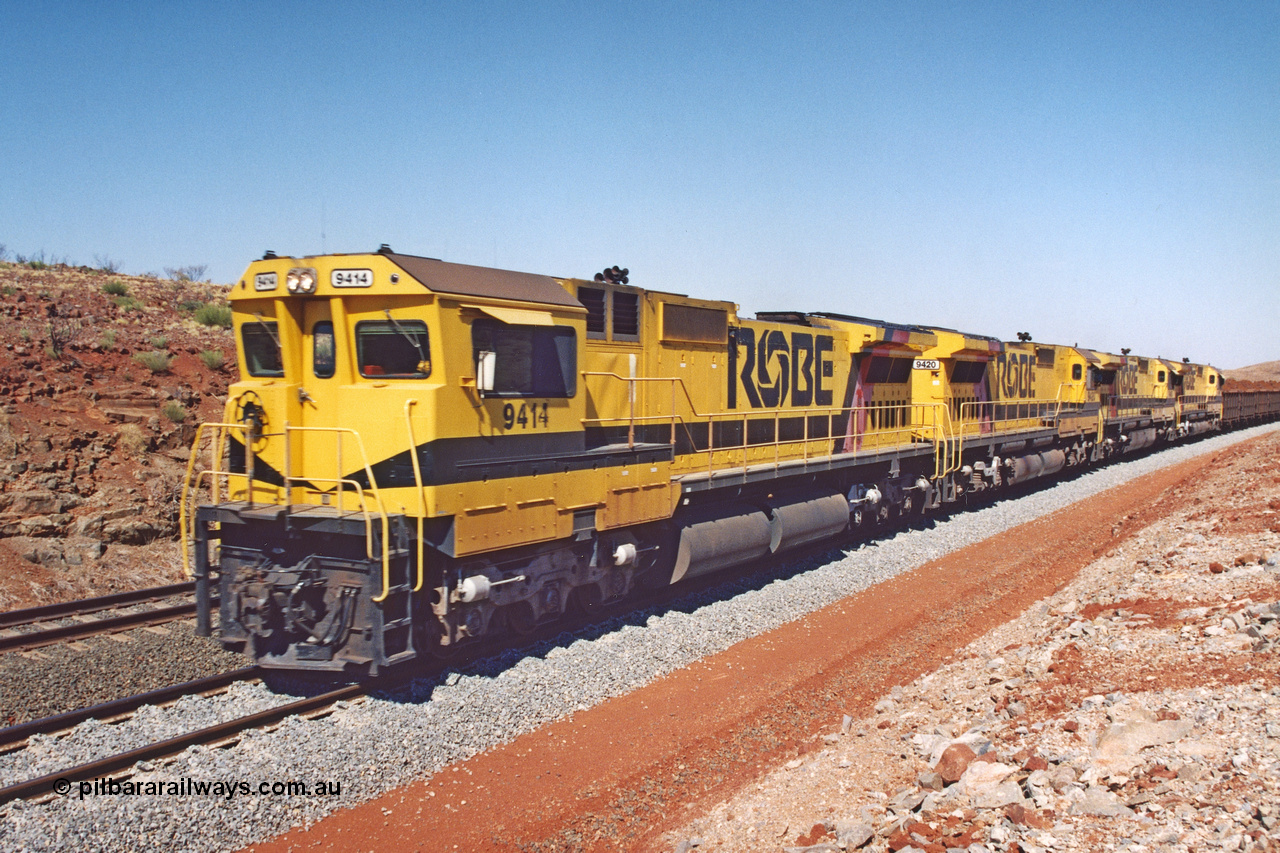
point(102, 380)
point(1263, 375)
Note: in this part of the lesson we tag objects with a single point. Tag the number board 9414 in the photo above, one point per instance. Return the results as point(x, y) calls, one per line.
point(351, 278)
point(525, 416)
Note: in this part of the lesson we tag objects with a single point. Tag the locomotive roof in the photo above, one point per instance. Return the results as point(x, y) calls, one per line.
point(867, 321)
point(465, 280)
point(910, 327)
point(1105, 360)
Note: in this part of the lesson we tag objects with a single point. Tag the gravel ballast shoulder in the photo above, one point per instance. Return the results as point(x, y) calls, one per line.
point(60, 678)
point(371, 746)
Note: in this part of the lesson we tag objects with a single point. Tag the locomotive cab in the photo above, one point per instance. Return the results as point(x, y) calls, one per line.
point(368, 383)
point(1197, 390)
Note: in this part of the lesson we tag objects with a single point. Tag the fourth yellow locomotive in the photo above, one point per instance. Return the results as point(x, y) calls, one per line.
point(420, 454)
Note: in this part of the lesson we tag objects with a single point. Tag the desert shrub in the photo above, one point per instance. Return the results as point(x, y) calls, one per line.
point(106, 263)
point(132, 439)
point(195, 272)
point(156, 362)
point(190, 306)
point(159, 342)
point(174, 411)
point(8, 290)
point(108, 339)
point(61, 333)
point(212, 358)
point(164, 492)
point(115, 288)
point(128, 303)
point(214, 315)
point(25, 334)
point(35, 262)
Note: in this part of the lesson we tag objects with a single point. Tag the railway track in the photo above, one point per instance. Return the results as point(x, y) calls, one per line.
point(21, 630)
point(43, 787)
point(14, 737)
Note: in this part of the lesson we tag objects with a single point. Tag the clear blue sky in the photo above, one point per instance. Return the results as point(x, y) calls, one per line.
point(1101, 173)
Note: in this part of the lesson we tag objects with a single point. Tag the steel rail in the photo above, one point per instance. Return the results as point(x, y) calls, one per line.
point(44, 785)
point(44, 613)
point(12, 735)
point(48, 636)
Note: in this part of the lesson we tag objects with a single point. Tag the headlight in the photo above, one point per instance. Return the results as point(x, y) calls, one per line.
point(301, 280)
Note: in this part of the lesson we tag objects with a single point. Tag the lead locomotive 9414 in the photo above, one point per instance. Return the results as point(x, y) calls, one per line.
point(420, 454)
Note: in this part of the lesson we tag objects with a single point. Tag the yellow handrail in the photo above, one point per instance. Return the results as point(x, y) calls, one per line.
point(938, 429)
point(1032, 409)
point(187, 482)
point(1191, 403)
point(373, 485)
point(1140, 404)
point(192, 483)
point(417, 479)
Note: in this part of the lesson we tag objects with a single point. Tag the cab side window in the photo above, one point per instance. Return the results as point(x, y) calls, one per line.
point(530, 361)
point(393, 349)
point(261, 349)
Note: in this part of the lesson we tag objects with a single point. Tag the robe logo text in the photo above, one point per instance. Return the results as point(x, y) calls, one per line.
point(779, 369)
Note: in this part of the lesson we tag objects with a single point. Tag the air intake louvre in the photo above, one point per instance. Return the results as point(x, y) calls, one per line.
point(626, 315)
point(694, 325)
point(592, 298)
point(968, 372)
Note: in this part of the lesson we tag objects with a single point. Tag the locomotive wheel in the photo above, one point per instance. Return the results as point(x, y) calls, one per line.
point(520, 618)
point(586, 599)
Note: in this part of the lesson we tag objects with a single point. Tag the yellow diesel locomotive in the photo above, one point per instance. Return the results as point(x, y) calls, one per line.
point(420, 454)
